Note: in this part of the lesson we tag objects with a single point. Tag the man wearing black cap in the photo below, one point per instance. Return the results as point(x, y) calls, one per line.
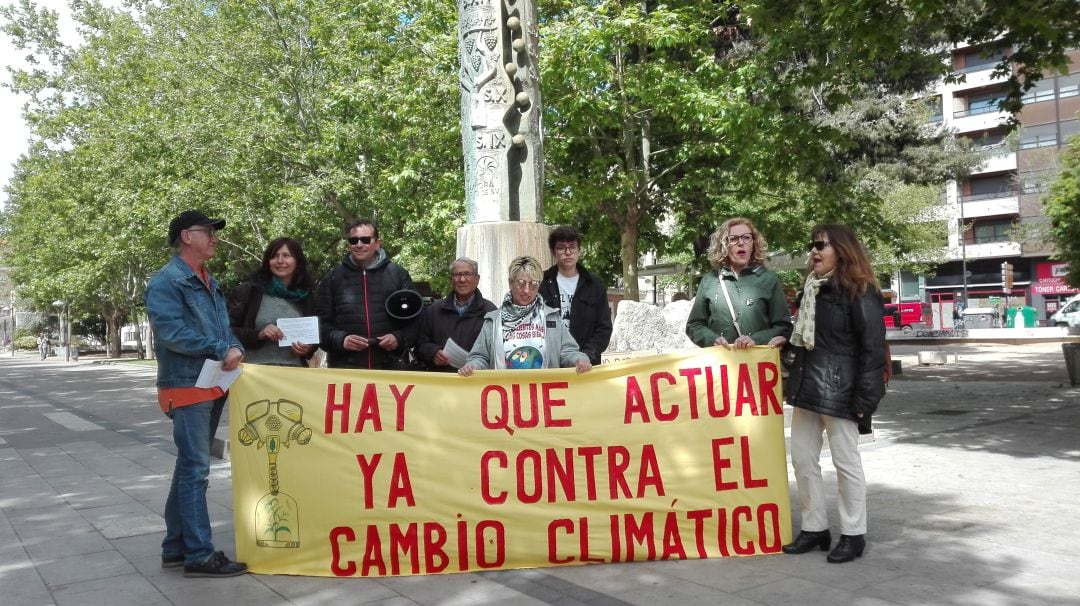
point(191, 325)
point(356, 330)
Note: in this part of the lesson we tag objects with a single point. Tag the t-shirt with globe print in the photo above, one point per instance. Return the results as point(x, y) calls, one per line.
point(523, 345)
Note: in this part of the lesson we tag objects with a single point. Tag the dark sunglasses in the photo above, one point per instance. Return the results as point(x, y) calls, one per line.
point(364, 239)
point(818, 245)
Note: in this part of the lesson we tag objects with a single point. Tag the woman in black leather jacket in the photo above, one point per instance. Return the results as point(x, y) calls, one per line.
point(835, 384)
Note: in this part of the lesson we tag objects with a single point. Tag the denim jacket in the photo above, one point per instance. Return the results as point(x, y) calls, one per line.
point(190, 323)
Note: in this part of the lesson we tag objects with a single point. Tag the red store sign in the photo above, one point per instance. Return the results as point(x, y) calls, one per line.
point(1051, 279)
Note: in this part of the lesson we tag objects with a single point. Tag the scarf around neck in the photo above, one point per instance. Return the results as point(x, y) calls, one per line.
point(278, 289)
point(803, 333)
point(513, 314)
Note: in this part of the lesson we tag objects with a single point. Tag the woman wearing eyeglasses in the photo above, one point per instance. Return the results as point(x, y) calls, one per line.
point(280, 288)
point(835, 384)
point(739, 303)
point(523, 332)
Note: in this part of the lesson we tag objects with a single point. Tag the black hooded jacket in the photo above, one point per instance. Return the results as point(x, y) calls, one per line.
point(352, 301)
point(590, 316)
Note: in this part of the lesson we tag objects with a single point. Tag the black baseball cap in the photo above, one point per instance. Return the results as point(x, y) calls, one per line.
point(189, 219)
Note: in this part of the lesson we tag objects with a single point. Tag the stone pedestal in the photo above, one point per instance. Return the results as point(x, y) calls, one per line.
point(495, 244)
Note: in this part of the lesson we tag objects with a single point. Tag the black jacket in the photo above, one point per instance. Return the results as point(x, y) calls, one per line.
point(441, 321)
point(243, 305)
point(590, 316)
point(352, 301)
point(844, 373)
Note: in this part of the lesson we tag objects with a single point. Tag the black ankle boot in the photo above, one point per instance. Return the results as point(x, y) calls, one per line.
point(807, 541)
point(847, 549)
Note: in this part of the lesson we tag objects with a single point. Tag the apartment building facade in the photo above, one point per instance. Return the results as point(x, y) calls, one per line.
point(996, 214)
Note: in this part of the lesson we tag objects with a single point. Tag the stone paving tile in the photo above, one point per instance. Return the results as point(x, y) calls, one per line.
point(125, 520)
point(670, 590)
point(21, 585)
point(451, 588)
point(47, 522)
point(70, 544)
point(244, 590)
point(90, 492)
point(85, 567)
point(802, 592)
point(323, 590)
point(727, 574)
point(124, 590)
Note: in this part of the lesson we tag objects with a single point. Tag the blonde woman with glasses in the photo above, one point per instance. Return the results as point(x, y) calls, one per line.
point(523, 332)
point(740, 303)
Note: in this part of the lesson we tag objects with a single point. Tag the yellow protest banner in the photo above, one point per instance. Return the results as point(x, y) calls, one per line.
point(375, 473)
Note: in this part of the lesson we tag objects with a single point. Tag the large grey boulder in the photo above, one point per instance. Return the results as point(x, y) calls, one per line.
point(645, 327)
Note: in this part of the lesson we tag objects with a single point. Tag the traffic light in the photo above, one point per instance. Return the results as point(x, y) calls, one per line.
point(1006, 276)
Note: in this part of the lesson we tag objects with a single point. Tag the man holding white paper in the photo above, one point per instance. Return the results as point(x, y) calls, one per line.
point(191, 325)
point(454, 320)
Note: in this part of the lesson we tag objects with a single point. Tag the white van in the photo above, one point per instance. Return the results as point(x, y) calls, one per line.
point(1068, 314)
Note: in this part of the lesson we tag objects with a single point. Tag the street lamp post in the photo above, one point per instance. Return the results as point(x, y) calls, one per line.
point(65, 327)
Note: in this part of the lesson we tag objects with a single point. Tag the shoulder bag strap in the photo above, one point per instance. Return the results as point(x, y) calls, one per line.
point(730, 307)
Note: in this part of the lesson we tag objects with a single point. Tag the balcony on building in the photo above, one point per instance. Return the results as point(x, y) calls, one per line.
point(988, 237)
point(974, 67)
point(996, 149)
point(978, 110)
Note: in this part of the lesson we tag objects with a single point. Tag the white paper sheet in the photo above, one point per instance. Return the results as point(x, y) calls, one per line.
point(454, 354)
point(304, 330)
point(213, 376)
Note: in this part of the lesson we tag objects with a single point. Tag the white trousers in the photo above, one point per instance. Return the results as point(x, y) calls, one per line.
point(806, 442)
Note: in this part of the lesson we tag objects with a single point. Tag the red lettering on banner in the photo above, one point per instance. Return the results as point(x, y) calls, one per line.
point(691, 374)
point(639, 533)
point(333, 407)
point(567, 527)
point(400, 484)
point(654, 385)
point(435, 558)
point(509, 411)
point(673, 545)
point(642, 536)
point(720, 463)
point(748, 480)
point(698, 516)
point(768, 378)
point(744, 393)
point(399, 399)
point(397, 546)
point(486, 459)
point(742, 511)
point(660, 404)
point(336, 533)
point(367, 471)
point(551, 474)
point(373, 554)
point(404, 544)
point(369, 409)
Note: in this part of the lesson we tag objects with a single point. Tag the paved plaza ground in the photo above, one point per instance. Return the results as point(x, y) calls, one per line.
point(973, 480)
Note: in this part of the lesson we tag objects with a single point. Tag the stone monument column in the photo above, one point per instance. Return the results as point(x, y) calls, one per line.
point(501, 138)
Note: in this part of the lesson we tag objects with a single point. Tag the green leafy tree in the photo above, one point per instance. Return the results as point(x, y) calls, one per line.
point(1063, 208)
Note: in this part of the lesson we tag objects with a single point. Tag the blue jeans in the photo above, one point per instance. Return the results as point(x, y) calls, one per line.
point(187, 521)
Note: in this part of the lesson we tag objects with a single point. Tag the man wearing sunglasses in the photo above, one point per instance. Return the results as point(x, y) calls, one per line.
point(355, 329)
